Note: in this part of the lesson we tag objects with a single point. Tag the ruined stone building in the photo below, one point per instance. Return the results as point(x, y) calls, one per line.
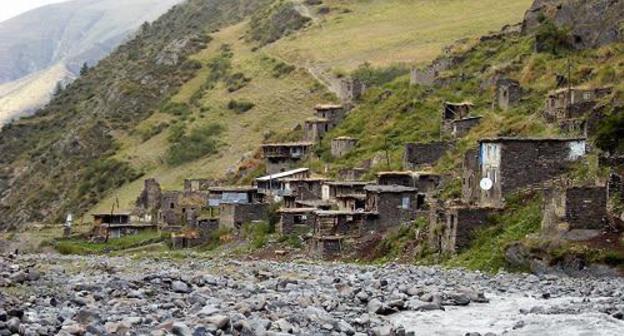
point(511, 164)
point(178, 208)
point(272, 186)
point(298, 221)
point(314, 129)
point(423, 155)
point(147, 204)
point(351, 202)
point(334, 114)
point(335, 230)
point(454, 111)
point(425, 182)
point(235, 215)
point(452, 229)
point(342, 146)
point(460, 127)
point(569, 108)
point(575, 211)
point(116, 225)
point(508, 93)
point(280, 157)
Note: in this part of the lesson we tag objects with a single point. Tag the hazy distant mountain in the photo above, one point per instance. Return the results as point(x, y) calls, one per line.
point(49, 44)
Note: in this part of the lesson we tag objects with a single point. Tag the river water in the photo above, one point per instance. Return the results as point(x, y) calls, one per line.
point(502, 314)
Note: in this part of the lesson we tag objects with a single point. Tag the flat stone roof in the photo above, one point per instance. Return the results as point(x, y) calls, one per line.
point(350, 183)
point(328, 106)
point(516, 139)
point(331, 213)
point(289, 144)
point(296, 210)
point(389, 189)
point(233, 188)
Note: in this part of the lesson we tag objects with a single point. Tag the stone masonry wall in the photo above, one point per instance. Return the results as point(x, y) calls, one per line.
point(424, 154)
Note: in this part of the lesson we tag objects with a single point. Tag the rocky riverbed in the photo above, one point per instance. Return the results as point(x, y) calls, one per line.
point(49, 295)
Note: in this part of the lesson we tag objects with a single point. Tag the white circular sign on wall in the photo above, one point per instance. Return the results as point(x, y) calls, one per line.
point(486, 183)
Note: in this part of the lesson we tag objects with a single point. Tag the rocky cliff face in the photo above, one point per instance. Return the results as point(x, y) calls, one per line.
point(591, 23)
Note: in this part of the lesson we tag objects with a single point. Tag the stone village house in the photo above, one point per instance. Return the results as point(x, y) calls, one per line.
point(514, 163)
point(280, 157)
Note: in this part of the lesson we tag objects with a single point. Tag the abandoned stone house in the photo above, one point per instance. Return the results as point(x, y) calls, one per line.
point(422, 155)
point(460, 127)
point(314, 129)
point(427, 76)
point(351, 89)
point(510, 164)
point(272, 186)
point(452, 229)
point(572, 103)
point(454, 111)
point(575, 211)
point(342, 146)
point(351, 202)
point(116, 225)
point(508, 93)
point(296, 221)
point(147, 204)
point(334, 114)
point(280, 157)
point(235, 215)
point(328, 246)
point(178, 208)
point(331, 190)
point(392, 205)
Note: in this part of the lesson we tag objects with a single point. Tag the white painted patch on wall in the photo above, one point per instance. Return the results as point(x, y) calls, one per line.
point(578, 149)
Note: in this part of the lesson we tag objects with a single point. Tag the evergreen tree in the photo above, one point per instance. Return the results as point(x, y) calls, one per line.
point(84, 69)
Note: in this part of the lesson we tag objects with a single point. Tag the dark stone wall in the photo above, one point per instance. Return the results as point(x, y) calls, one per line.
point(424, 154)
point(586, 207)
point(463, 126)
point(402, 180)
point(390, 212)
point(170, 209)
point(468, 221)
point(287, 224)
point(527, 163)
point(234, 216)
point(470, 177)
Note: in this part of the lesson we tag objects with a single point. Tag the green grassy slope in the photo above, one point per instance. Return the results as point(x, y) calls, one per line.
point(283, 102)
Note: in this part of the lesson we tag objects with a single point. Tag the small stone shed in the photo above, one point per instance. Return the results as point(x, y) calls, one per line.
point(307, 188)
point(340, 223)
point(280, 157)
point(296, 221)
point(333, 113)
point(422, 155)
point(515, 163)
point(342, 146)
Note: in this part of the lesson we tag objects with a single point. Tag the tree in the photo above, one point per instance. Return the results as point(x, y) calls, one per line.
point(84, 69)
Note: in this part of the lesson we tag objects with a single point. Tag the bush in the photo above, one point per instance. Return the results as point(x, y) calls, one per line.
point(176, 109)
point(201, 142)
point(282, 69)
point(372, 76)
point(280, 20)
point(552, 39)
point(610, 134)
point(236, 82)
point(257, 234)
point(240, 106)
